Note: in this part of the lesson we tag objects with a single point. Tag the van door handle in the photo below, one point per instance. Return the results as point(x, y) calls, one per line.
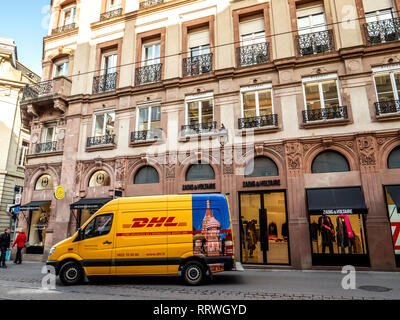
point(107, 242)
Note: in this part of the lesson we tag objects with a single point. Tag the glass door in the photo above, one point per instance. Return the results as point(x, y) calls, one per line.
point(264, 229)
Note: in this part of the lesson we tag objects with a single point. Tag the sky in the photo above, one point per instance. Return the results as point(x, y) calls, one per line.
point(26, 22)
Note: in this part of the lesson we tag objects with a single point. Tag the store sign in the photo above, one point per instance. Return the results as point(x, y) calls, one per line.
point(263, 183)
point(18, 198)
point(337, 211)
point(201, 186)
point(59, 193)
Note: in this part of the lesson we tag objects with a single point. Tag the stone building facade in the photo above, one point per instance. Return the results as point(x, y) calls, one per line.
point(277, 104)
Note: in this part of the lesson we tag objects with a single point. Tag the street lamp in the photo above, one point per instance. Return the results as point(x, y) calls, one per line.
point(223, 135)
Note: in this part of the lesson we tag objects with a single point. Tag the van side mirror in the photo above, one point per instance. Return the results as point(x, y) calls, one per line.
point(80, 234)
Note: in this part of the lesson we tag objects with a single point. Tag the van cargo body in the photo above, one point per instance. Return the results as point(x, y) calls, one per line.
point(187, 234)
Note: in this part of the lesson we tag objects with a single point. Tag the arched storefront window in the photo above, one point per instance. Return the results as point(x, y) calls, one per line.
point(100, 179)
point(198, 172)
point(394, 159)
point(261, 167)
point(330, 161)
point(44, 182)
point(146, 174)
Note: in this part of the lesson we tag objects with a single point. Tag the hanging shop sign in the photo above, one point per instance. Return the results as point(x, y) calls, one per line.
point(263, 183)
point(201, 186)
point(337, 211)
point(59, 193)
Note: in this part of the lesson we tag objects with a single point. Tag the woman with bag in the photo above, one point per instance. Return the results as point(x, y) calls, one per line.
point(20, 242)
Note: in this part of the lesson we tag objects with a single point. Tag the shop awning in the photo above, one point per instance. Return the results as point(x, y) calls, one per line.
point(33, 205)
point(336, 201)
point(394, 192)
point(90, 203)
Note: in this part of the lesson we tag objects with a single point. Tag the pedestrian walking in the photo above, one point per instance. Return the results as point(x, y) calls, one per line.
point(20, 242)
point(4, 246)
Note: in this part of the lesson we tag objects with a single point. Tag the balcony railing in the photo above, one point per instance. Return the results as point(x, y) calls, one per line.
point(105, 82)
point(111, 14)
point(100, 140)
point(146, 135)
point(36, 90)
point(64, 28)
point(325, 114)
point(253, 54)
point(197, 65)
point(258, 122)
point(385, 107)
point(149, 3)
point(46, 147)
point(314, 43)
point(148, 74)
point(198, 128)
point(382, 31)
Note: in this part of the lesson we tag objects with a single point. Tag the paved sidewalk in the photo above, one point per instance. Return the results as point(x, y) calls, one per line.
point(24, 282)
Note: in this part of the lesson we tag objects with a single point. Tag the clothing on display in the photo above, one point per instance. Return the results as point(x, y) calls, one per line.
point(344, 234)
point(285, 231)
point(327, 232)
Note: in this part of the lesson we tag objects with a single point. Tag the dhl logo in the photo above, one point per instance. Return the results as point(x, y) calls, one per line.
point(154, 222)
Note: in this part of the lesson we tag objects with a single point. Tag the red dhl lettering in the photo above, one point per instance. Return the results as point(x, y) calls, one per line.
point(155, 222)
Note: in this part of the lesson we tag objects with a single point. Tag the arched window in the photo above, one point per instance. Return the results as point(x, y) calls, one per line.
point(394, 159)
point(261, 167)
point(44, 182)
point(100, 179)
point(201, 171)
point(329, 161)
point(146, 174)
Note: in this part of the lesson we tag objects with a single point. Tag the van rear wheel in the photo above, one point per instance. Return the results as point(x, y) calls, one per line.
point(70, 274)
point(193, 273)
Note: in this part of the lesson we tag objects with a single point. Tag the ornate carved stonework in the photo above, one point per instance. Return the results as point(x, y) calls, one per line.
point(367, 151)
point(120, 169)
point(259, 149)
point(294, 155)
point(170, 171)
point(60, 105)
point(307, 146)
point(278, 148)
point(228, 168)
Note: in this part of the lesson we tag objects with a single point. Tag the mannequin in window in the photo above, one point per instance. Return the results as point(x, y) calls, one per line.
point(41, 226)
point(251, 237)
point(344, 234)
point(327, 232)
point(285, 231)
point(272, 231)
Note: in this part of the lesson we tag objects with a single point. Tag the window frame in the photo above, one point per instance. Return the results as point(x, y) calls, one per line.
point(378, 13)
point(320, 80)
point(45, 131)
point(105, 55)
point(93, 220)
point(103, 112)
point(115, 7)
point(23, 153)
point(71, 8)
point(140, 169)
point(154, 59)
point(197, 164)
point(391, 70)
point(256, 89)
point(334, 152)
point(58, 63)
point(199, 99)
point(150, 108)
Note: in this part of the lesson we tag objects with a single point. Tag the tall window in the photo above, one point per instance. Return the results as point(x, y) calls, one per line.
point(252, 30)
point(256, 101)
point(201, 171)
point(330, 161)
point(113, 5)
point(22, 153)
point(48, 134)
point(387, 83)
point(199, 41)
point(151, 53)
point(199, 110)
point(68, 15)
point(103, 124)
point(311, 18)
point(321, 93)
point(61, 68)
point(149, 117)
point(261, 167)
point(394, 159)
point(109, 62)
point(145, 175)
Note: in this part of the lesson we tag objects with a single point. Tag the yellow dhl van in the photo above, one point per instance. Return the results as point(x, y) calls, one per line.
point(190, 235)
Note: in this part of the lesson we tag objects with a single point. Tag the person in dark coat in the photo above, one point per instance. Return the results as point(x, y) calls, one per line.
point(4, 246)
point(20, 242)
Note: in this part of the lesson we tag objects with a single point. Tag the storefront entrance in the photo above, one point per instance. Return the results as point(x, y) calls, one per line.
point(264, 228)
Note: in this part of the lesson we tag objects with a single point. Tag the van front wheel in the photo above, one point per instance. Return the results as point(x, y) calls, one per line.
point(193, 273)
point(70, 274)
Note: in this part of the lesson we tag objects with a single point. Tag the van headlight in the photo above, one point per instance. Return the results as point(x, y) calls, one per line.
point(52, 251)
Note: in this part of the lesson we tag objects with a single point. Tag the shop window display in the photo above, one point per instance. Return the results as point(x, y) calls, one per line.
point(392, 198)
point(38, 224)
point(337, 234)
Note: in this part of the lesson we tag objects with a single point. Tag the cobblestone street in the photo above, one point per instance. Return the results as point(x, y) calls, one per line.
point(25, 282)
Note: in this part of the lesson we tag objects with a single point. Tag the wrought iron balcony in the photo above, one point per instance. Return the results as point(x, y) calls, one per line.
point(100, 140)
point(64, 28)
point(149, 3)
point(148, 74)
point(146, 135)
point(105, 82)
point(382, 31)
point(198, 128)
point(33, 91)
point(253, 54)
point(385, 107)
point(111, 14)
point(314, 43)
point(197, 65)
point(46, 147)
point(334, 113)
point(258, 122)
